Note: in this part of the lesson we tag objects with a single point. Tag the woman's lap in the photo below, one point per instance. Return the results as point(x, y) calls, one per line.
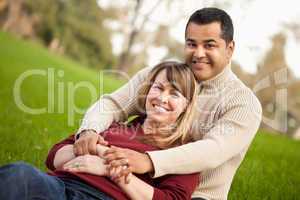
point(23, 181)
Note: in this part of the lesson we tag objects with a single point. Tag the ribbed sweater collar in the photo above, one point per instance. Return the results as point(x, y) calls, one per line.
point(219, 81)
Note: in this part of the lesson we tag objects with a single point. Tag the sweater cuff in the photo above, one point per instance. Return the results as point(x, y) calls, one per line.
point(92, 126)
point(157, 160)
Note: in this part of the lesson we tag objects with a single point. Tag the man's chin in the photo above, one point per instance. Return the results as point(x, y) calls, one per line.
point(202, 75)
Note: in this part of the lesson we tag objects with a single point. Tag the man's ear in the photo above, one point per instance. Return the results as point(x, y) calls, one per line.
point(230, 49)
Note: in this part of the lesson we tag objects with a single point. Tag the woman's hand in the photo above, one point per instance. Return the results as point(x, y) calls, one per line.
point(88, 164)
point(125, 161)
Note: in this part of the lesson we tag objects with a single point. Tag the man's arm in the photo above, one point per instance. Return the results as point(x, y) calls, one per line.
point(231, 134)
point(116, 106)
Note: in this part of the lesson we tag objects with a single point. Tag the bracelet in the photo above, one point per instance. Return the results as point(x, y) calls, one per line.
point(84, 132)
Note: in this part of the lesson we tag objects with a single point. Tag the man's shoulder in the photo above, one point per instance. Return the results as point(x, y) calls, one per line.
point(238, 92)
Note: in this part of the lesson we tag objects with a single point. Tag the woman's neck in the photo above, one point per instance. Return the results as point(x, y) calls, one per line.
point(151, 127)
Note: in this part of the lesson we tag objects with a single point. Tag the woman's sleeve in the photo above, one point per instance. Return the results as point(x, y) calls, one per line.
point(55, 148)
point(175, 187)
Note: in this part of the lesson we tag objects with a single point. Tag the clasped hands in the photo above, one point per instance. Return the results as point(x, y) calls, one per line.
point(117, 163)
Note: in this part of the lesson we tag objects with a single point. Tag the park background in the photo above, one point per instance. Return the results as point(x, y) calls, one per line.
point(57, 57)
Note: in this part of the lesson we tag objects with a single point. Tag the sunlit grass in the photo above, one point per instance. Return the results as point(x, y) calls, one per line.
point(269, 171)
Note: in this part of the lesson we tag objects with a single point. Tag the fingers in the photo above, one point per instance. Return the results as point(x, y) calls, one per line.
point(86, 144)
point(92, 144)
point(121, 173)
point(77, 149)
point(113, 153)
point(127, 178)
point(120, 168)
point(102, 141)
point(118, 163)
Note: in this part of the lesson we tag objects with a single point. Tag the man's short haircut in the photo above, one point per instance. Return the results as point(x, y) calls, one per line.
point(209, 15)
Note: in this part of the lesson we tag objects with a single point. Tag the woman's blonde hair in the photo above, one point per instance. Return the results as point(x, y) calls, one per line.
point(181, 77)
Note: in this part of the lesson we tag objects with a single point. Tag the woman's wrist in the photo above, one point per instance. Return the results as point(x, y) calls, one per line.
point(101, 149)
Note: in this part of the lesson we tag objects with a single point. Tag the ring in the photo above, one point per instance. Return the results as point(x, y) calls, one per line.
point(126, 163)
point(76, 165)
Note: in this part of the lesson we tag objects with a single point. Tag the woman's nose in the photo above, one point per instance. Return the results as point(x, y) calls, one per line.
point(163, 98)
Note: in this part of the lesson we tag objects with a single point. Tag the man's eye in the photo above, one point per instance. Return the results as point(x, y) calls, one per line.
point(209, 46)
point(190, 44)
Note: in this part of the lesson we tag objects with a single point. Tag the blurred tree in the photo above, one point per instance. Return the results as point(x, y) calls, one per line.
point(75, 27)
point(72, 27)
point(275, 69)
point(125, 59)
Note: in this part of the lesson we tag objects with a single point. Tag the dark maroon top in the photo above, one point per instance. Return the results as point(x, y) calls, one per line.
point(169, 187)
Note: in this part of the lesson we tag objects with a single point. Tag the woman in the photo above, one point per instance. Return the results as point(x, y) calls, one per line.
point(168, 98)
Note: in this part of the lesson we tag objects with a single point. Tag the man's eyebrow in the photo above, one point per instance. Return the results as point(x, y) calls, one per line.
point(190, 40)
point(204, 41)
point(210, 40)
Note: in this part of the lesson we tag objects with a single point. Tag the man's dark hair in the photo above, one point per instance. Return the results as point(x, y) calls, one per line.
point(210, 15)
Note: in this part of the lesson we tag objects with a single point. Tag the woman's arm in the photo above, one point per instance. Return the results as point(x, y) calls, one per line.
point(66, 154)
point(52, 152)
point(92, 164)
point(63, 155)
point(167, 187)
point(136, 189)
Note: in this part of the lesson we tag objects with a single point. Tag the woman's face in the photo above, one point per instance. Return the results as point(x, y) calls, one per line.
point(164, 103)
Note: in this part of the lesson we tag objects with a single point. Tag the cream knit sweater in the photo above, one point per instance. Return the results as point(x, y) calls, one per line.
point(228, 117)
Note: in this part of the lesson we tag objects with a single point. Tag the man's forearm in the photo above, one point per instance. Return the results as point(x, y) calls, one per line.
point(99, 116)
point(115, 106)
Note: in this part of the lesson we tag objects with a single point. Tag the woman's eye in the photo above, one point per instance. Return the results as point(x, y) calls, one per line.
point(157, 87)
point(175, 95)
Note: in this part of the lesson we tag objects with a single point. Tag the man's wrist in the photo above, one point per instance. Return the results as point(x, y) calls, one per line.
point(150, 167)
point(85, 131)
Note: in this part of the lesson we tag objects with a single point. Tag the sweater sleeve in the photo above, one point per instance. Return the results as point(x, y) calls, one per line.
point(51, 154)
point(175, 187)
point(116, 106)
point(231, 134)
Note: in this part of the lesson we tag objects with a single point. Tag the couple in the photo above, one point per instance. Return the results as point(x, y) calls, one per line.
point(208, 145)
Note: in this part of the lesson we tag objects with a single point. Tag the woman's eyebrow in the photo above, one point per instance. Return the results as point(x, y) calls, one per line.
point(176, 88)
point(158, 83)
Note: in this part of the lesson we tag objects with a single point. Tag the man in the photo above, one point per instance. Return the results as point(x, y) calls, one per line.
point(228, 116)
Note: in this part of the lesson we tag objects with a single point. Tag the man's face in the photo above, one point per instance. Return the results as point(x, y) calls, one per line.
point(205, 51)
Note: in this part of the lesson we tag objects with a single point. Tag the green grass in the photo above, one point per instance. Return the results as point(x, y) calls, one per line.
point(269, 171)
point(28, 137)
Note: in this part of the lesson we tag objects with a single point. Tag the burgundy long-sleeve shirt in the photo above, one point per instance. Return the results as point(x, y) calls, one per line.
point(169, 187)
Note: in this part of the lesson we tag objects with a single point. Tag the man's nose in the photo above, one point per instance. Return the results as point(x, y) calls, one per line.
point(199, 52)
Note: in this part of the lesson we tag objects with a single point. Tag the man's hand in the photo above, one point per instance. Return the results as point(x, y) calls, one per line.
point(86, 144)
point(134, 161)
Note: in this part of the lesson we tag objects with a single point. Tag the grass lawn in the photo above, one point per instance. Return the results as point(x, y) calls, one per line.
point(270, 170)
